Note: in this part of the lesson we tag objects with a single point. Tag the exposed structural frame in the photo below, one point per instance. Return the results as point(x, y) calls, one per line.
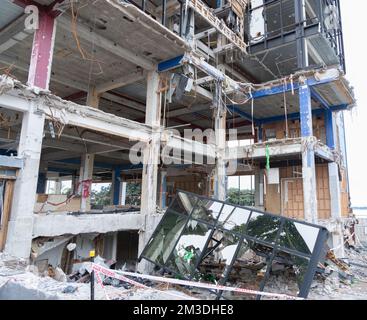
point(314, 257)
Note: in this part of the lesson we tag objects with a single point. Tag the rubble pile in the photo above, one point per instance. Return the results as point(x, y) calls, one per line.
point(346, 280)
point(338, 279)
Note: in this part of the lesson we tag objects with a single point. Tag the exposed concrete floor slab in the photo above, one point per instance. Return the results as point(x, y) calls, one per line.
point(54, 225)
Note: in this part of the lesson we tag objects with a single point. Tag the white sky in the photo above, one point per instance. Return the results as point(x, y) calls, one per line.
point(354, 25)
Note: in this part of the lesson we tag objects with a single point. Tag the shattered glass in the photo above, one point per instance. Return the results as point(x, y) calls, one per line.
point(207, 210)
point(189, 248)
point(184, 203)
point(164, 238)
point(234, 220)
point(218, 257)
point(205, 240)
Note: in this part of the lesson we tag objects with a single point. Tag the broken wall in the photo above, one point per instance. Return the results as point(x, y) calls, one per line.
point(287, 197)
point(277, 130)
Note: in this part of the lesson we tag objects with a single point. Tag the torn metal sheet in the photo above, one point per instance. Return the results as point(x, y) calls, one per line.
point(211, 241)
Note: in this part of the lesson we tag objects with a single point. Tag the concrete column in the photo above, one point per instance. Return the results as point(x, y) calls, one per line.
point(260, 134)
point(308, 156)
point(116, 186)
point(114, 246)
point(259, 189)
point(58, 186)
point(42, 52)
point(163, 188)
point(336, 209)
point(152, 149)
point(19, 238)
point(151, 156)
point(220, 189)
point(20, 230)
point(123, 193)
point(87, 161)
point(42, 178)
point(86, 176)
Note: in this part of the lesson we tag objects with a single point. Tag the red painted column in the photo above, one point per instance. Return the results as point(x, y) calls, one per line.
point(42, 52)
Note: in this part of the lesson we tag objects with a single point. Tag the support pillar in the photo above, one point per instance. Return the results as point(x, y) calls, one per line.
point(42, 52)
point(329, 125)
point(151, 157)
point(116, 186)
point(123, 193)
point(152, 149)
point(85, 182)
point(308, 156)
point(20, 228)
point(220, 187)
point(336, 210)
point(87, 163)
point(19, 238)
point(42, 182)
point(58, 186)
point(260, 134)
point(259, 189)
point(163, 189)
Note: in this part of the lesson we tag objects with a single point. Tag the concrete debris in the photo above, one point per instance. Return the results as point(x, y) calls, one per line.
point(23, 282)
point(60, 275)
point(69, 289)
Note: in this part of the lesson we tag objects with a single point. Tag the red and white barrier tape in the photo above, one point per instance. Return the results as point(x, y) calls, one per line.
point(121, 275)
point(108, 272)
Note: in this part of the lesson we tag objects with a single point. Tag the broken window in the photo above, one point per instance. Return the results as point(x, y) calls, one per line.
point(211, 241)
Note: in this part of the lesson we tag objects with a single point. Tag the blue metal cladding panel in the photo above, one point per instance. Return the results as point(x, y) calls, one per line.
point(305, 111)
point(329, 129)
point(170, 64)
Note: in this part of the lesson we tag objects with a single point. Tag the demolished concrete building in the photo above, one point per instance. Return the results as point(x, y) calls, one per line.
point(106, 90)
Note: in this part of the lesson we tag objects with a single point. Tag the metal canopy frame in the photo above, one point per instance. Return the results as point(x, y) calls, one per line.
point(314, 257)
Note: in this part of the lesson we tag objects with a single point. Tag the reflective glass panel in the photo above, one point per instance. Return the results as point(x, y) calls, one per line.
point(234, 220)
point(299, 237)
point(207, 210)
point(263, 227)
point(164, 238)
point(189, 248)
point(184, 203)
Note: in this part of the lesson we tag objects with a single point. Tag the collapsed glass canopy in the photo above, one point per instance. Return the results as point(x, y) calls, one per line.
point(206, 240)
